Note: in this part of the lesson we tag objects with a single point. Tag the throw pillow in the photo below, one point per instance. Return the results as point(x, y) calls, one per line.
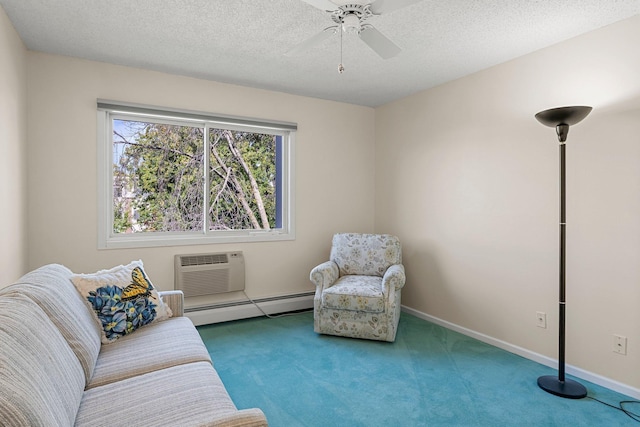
point(122, 298)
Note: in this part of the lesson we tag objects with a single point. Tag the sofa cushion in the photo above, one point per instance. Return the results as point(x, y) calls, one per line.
point(357, 293)
point(154, 347)
point(41, 379)
point(123, 299)
point(184, 395)
point(50, 287)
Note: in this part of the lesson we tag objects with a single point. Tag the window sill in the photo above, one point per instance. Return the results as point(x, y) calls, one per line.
point(168, 239)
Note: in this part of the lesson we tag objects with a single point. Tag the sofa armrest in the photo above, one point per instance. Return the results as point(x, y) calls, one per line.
point(175, 301)
point(253, 417)
point(394, 276)
point(325, 274)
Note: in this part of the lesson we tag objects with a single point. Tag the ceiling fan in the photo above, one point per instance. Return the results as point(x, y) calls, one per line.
point(351, 16)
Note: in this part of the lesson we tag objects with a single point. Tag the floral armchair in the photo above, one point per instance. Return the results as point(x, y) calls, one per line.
point(358, 290)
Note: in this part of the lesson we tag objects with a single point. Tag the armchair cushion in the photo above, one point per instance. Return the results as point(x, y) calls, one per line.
point(358, 293)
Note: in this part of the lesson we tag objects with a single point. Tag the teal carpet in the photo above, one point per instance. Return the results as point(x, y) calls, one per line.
point(430, 376)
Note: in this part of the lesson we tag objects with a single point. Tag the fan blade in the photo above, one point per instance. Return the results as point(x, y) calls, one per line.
point(312, 41)
point(379, 43)
point(379, 7)
point(322, 4)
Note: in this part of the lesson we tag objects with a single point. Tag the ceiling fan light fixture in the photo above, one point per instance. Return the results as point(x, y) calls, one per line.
point(351, 24)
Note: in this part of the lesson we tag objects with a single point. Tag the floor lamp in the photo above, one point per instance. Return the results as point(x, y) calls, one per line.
point(561, 119)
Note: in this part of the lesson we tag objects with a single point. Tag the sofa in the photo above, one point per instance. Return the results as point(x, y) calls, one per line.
point(55, 371)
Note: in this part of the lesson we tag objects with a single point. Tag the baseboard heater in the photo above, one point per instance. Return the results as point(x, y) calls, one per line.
point(244, 309)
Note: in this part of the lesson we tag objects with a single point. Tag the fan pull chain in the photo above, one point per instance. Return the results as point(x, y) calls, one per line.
point(340, 66)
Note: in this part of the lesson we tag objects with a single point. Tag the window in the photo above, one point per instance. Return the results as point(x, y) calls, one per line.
point(172, 177)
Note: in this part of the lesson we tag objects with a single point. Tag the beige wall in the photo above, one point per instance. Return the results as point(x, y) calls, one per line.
point(469, 181)
point(13, 139)
point(334, 168)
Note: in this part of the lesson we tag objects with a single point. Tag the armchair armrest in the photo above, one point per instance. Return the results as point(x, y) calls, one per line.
point(325, 274)
point(394, 276)
point(175, 301)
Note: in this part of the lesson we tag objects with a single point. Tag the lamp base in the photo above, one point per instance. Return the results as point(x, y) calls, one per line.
point(567, 388)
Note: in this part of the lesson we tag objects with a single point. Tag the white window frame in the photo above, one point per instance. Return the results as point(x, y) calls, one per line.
point(107, 239)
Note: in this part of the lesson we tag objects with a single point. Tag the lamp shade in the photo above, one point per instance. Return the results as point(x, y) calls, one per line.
point(563, 116)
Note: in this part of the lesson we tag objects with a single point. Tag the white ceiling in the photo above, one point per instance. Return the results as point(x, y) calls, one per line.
point(243, 41)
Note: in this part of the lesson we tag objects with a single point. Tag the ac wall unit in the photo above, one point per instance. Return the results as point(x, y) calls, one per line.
point(208, 274)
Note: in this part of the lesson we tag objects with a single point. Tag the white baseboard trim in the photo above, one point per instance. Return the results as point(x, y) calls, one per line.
point(244, 309)
point(528, 354)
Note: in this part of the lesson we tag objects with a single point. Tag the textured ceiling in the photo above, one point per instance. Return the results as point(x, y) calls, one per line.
point(243, 41)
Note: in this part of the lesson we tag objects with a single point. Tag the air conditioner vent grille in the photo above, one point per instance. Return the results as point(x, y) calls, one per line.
point(205, 282)
point(191, 260)
point(200, 275)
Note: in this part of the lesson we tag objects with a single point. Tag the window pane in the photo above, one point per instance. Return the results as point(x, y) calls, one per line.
point(181, 178)
point(243, 184)
point(158, 177)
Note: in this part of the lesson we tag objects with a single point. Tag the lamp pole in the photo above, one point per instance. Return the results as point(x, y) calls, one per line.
point(563, 252)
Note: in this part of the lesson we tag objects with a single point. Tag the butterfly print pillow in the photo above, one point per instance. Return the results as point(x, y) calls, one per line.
point(123, 299)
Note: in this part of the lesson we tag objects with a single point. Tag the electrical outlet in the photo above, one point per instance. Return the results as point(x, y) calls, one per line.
point(541, 318)
point(619, 344)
